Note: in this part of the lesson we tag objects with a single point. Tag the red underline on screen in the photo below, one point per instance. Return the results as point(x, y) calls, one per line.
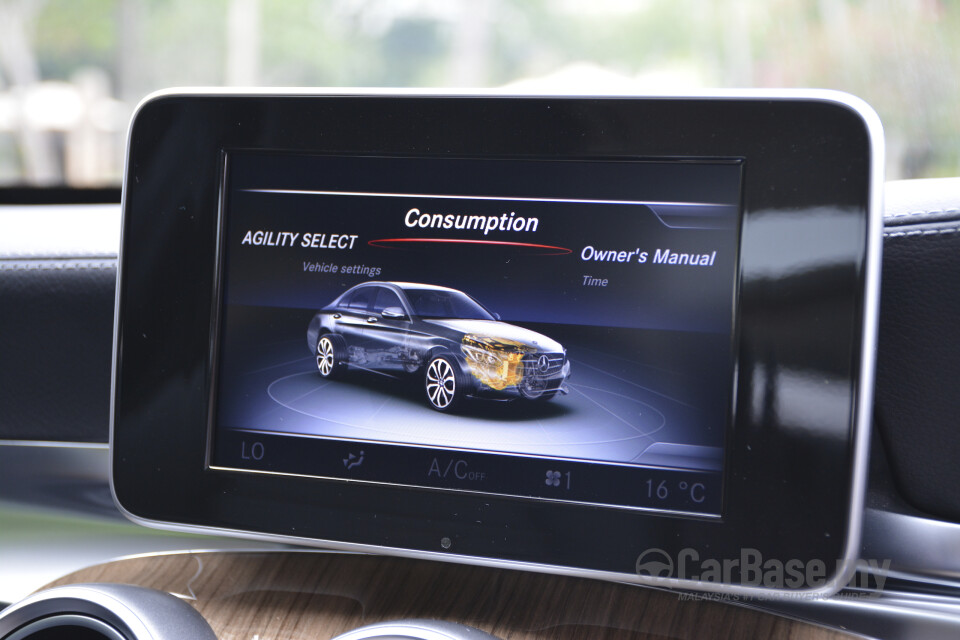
point(553, 250)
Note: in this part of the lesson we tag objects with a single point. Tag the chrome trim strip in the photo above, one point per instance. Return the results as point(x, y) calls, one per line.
point(919, 548)
point(862, 412)
point(883, 615)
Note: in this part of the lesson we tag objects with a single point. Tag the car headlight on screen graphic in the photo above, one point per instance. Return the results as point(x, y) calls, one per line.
point(458, 347)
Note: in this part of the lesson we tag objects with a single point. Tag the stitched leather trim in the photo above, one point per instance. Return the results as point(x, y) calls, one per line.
point(921, 232)
point(56, 265)
point(921, 212)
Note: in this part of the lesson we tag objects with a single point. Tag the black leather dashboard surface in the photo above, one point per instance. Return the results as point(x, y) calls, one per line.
point(58, 269)
point(57, 282)
point(918, 363)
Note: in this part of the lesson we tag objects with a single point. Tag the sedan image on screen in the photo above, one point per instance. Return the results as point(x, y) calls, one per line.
point(459, 348)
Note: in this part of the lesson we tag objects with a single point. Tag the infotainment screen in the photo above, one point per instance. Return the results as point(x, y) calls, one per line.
point(627, 338)
point(552, 329)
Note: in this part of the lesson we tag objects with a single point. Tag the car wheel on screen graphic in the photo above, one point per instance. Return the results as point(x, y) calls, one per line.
point(445, 382)
point(533, 386)
point(331, 355)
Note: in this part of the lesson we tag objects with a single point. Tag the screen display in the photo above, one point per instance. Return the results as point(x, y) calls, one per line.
point(556, 330)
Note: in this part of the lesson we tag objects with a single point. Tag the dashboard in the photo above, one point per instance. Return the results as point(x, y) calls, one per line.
point(898, 589)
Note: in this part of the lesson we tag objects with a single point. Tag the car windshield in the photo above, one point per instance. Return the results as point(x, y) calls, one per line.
point(73, 71)
point(438, 303)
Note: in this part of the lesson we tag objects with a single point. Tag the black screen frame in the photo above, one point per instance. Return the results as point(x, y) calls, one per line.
point(792, 491)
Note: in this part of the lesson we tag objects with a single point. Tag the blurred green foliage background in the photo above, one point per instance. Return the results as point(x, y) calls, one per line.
point(902, 56)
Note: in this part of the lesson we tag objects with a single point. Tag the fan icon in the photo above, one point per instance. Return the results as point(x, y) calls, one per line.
point(553, 479)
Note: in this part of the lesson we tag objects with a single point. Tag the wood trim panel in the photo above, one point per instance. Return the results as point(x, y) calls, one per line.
point(318, 595)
